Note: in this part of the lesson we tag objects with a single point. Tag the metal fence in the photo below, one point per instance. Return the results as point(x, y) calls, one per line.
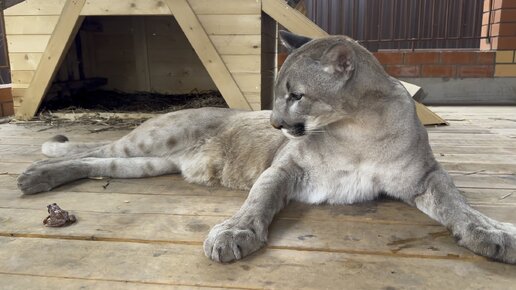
point(402, 24)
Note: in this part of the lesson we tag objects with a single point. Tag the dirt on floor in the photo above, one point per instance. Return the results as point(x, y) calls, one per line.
point(117, 110)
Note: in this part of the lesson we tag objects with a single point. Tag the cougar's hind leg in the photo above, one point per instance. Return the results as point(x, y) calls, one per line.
point(59, 146)
point(44, 177)
point(443, 202)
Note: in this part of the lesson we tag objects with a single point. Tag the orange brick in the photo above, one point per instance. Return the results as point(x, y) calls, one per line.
point(281, 58)
point(505, 15)
point(422, 57)
point(507, 3)
point(496, 16)
point(505, 70)
point(445, 71)
point(487, 57)
point(507, 29)
point(475, 71)
point(506, 42)
point(5, 95)
point(389, 57)
point(403, 70)
point(7, 109)
point(504, 56)
point(458, 57)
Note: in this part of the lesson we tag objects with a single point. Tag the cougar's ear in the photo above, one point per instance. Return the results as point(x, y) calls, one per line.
point(338, 59)
point(292, 41)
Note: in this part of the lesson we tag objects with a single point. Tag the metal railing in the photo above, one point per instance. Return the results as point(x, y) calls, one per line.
point(402, 24)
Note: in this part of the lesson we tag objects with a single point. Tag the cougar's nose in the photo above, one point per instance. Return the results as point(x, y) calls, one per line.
point(276, 122)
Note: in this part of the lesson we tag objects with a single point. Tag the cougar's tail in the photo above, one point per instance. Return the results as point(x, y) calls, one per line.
point(60, 146)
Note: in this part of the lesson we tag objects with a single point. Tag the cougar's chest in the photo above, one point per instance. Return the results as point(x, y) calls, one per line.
point(340, 181)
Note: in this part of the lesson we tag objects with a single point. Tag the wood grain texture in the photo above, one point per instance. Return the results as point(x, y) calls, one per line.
point(68, 24)
point(161, 222)
point(207, 53)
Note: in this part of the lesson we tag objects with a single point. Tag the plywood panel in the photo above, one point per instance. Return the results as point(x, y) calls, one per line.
point(133, 7)
point(252, 97)
point(66, 28)
point(242, 63)
point(30, 24)
point(231, 24)
point(248, 82)
point(24, 61)
point(27, 43)
point(22, 76)
point(36, 7)
point(207, 53)
point(226, 6)
point(170, 77)
point(237, 44)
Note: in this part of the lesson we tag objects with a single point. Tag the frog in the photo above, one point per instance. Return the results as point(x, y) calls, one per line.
point(58, 217)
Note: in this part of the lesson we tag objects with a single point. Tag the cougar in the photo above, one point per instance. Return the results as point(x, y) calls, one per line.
point(343, 131)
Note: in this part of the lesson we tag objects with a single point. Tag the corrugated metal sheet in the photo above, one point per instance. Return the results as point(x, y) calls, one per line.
point(402, 24)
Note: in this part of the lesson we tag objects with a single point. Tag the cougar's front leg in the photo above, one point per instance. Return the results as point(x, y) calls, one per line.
point(43, 176)
point(443, 202)
point(247, 230)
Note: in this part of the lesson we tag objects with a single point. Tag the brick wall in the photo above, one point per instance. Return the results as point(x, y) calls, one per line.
point(502, 25)
point(505, 63)
point(6, 102)
point(499, 23)
point(435, 63)
point(438, 64)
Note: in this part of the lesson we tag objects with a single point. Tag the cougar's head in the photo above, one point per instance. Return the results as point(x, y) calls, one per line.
point(321, 82)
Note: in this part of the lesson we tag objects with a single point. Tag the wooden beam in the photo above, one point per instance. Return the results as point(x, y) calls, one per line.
point(292, 19)
point(66, 28)
point(207, 53)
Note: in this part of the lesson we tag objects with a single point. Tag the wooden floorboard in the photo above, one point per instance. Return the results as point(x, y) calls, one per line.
point(147, 233)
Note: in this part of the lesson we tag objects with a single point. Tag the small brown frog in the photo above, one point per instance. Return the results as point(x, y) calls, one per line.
point(58, 217)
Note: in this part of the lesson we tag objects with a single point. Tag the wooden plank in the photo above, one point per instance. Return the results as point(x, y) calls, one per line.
point(428, 241)
point(36, 7)
point(231, 24)
point(225, 6)
point(292, 19)
point(253, 97)
point(237, 44)
point(183, 264)
point(27, 43)
point(24, 61)
point(21, 76)
point(141, 55)
point(68, 24)
point(425, 115)
point(190, 203)
point(207, 53)
point(133, 7)
point(256, 106)
point(30, 24)
point(28, 281)
point(242, 63)
point(248, 82)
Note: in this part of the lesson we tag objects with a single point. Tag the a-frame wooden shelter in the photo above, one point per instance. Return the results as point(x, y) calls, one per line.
point(39, 33)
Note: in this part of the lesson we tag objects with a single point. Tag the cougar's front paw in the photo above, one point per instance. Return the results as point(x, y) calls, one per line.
point(497, 242)
point(228, 242)
point(35, 179)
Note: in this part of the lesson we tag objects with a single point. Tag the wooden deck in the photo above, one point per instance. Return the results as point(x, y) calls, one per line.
point(147, 233)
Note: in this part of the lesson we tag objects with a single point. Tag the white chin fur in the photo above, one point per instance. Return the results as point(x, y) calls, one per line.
point(288, 135)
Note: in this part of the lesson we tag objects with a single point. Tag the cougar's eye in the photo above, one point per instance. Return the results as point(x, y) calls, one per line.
point(295, 96)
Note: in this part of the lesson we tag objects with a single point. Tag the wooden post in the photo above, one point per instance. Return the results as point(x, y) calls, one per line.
point(64, 32)
point(207, 53)
point(292, 19)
